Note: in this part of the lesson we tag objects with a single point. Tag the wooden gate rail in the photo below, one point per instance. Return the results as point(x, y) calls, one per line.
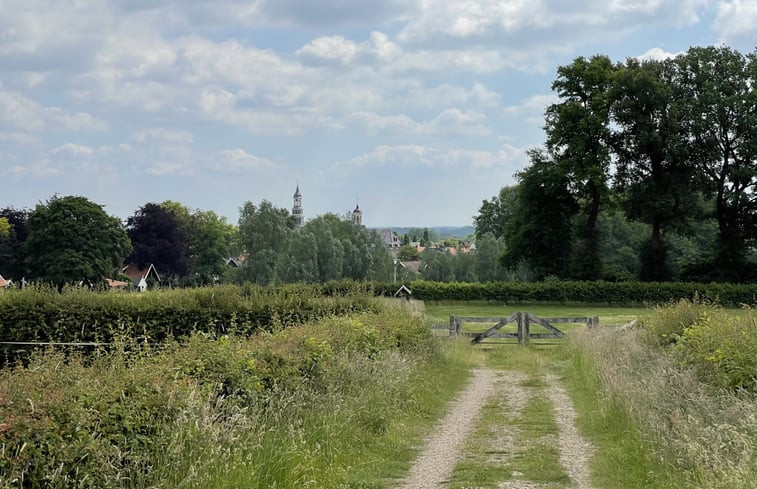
point(523, 320)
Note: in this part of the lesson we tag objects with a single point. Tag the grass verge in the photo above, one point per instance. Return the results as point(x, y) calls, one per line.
point(655, 424)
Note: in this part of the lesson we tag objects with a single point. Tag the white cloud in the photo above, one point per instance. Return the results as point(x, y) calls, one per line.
point(328, 48)
point(540, 26)
point(163, 135)
point(438, 156)
point(163, 168)
point(737, 19)
point(656, 54)
point(330, 12)
point(238, 160)
point(73, 149)
point(40, 169)
point(21, 112)
point(17, 137)
point(449, 121)
point(532, 109)
point(221, 105)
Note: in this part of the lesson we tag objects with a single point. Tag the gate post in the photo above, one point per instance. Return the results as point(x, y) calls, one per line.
point(452, 325)
point(527, 329)
point(519, 318)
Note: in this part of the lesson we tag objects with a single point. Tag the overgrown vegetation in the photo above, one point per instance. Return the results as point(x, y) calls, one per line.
point(690, 402)
point(301, 406)
point(719, 346)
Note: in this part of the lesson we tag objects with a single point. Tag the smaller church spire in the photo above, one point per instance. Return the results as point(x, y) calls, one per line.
point(357, 215)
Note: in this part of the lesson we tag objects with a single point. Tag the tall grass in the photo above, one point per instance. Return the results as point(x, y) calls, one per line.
point(338, 403)
point(701, 436)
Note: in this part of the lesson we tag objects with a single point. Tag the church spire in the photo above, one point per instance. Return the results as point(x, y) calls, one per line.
point(297, 211)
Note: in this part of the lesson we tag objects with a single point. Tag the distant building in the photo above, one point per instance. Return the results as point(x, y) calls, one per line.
point(357, 216)
point(390, 238)
point(140, 277)
point(297, 211)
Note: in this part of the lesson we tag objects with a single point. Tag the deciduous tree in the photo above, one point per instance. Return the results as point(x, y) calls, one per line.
point(73, 239)
point(158, 238)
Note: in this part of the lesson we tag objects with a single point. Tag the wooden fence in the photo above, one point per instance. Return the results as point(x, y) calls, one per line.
point(523, 321)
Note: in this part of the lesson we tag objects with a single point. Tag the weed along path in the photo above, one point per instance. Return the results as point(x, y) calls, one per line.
point(437, 460)
point(513, 427)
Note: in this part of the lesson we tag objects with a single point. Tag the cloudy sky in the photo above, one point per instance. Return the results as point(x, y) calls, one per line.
point(418, 109)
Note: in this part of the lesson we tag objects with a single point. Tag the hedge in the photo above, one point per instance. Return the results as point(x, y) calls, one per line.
point(617, 293)
point(37, 314)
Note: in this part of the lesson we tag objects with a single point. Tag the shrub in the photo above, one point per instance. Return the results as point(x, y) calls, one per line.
point(718, 344)
point(722, 349)
point(109, 420)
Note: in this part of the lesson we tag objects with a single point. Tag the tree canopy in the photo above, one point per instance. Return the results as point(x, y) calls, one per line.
point(158, 237)
point(73, 239)
point(672, 144)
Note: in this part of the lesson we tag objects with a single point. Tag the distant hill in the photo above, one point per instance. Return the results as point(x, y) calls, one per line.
point(443, 231)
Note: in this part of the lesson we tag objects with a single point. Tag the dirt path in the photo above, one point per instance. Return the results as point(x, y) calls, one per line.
point(437, 461)
point(441, 453)
point(575, 451)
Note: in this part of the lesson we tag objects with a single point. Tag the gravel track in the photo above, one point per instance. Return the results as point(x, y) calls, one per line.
point(575, 451)
point(436, 463)
point(442, 451)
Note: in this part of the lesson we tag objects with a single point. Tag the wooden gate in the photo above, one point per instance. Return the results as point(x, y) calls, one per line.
point(523, 321)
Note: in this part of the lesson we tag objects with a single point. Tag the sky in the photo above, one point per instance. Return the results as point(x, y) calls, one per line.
point(416, 110)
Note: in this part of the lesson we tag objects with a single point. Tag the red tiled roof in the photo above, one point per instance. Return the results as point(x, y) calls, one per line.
point(135, 273)
point(114, 284)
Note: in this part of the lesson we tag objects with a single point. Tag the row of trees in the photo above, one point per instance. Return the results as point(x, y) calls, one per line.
point(670, 145)
point(70, 239)
point(327, 247)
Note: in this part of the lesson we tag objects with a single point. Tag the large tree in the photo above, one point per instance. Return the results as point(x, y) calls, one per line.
point(73, 239)
point(540, 231)
point(264, 234)
point(210, 239)
point(158, 238)
point(652, 164)
point(720, 118)
point(578, 139)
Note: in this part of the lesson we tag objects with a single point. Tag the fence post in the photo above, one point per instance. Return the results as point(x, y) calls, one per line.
point(595, 322)
point(527, 330)
point(458, 326)
point(519, 319)
point(452, 325)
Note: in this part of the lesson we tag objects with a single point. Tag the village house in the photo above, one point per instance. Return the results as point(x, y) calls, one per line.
point(141, 278)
